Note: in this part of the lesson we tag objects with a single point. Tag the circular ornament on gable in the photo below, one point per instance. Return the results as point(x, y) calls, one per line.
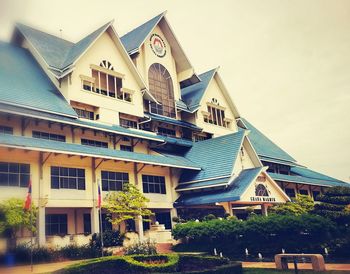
point(157, 45)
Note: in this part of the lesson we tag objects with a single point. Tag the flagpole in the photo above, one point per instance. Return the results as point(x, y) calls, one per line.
point(100, 208)
point(31, 228)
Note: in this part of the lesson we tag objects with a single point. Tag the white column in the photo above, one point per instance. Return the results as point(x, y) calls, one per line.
point(228, 208)
point(95, 224)
point(41, 226)
point(264, 208)
point(139, 227)
point(173, 213)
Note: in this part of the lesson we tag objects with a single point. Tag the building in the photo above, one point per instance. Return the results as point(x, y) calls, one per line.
point(109, 110)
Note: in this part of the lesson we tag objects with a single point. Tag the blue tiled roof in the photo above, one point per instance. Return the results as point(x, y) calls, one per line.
point(24, 83)
point(216, 157)
point(178, 141)
point(83, 123)
point(172, 121)
point(133, 39)
point(204, 184)
point(58, 52)
point(180, 104)
point(306, 180)
point(277, 161)
point(68, 148)
point(192, 95)
point(308, 173)
point(264, 146)
point(231, 193)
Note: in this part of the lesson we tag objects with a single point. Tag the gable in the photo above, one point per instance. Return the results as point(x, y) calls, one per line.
point(274, 193)
point(138, 37)
point(104, 48)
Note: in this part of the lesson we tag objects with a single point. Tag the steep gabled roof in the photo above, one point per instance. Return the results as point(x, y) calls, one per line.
point(192, 95)
point(134, 39)
point(232, 193)
point(25, 84)
point(58, 53)
point(216, 157)
point(264, 146)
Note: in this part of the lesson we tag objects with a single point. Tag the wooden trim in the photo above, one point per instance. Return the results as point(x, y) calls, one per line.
point(87, 78)
point(216, 106)
point(130, 91)
point(205, 113)
point(107, 71)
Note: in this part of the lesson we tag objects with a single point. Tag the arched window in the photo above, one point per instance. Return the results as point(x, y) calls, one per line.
point(161, 87)
point(260, 190)
point(106, 64)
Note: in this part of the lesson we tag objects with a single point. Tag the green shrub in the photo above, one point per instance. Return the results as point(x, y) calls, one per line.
point(78, 252)
point(209, 217)
point(171, 263)
point(110, 238)
point(267, 235)
point(145, 248)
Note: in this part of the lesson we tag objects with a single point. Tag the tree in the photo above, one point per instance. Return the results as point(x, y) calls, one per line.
point(302, 204)
point(126, 204)
point(13, 217)
point(334, 204)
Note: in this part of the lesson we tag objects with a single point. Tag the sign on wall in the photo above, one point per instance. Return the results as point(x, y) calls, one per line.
point(262, 194)
point(157, 45)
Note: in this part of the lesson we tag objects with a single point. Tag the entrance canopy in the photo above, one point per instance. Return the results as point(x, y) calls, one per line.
point(252, 186)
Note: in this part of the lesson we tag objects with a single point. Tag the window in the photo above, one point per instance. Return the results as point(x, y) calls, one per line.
point(127, 123)
point(201, 137)
point(260, 190)
point(6, 130)
point(161, 87)
point(94, 143)
point(87, 223)
point(290, 192)
point(126, 148)
point(56, 224)
point(153, 184)
point(166, 132)
point(48, 136)
point(114, 181)
point(86, 114)
point(303, 192)
point(68, 178)
point(106, 224)
point(277, 168)
point(216, 117)
point(13, 174)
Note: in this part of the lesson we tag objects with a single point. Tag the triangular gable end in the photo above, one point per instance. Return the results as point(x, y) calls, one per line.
point(263, 189)
point(224, 91)
point(134, 40)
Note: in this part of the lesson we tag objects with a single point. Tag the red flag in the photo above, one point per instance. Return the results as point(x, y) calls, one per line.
point(28, 201)
point(99, 199)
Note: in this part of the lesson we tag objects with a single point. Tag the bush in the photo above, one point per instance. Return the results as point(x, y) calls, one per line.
point(110, 238)
point(268, 235)
point(144, 248)
point(209, 217)
point(78, 252)
point(172, 263)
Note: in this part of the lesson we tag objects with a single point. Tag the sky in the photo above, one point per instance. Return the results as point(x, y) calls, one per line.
point(285, 63)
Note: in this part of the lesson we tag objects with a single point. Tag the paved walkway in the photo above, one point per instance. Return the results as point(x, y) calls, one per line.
point(300, 265)
point(47, 268)
point(38, 268)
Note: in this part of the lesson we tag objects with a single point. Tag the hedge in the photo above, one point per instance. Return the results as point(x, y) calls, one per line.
point(267, 235)
point(174, 263)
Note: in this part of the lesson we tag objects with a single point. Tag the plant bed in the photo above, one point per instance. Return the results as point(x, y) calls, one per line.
point(163, 263)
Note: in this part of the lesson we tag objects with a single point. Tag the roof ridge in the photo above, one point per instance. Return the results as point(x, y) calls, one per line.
point(42, 31)
point(144, 23)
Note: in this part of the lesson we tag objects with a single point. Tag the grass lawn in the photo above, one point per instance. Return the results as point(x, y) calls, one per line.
point(268, 271)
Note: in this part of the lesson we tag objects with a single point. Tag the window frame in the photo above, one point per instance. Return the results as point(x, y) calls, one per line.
point(59, 223)
point(93, 143)
point(109, 178)
point(22, 173)
point(65, 178)
point(6, 130)
point(150, 187)
point(50, 136)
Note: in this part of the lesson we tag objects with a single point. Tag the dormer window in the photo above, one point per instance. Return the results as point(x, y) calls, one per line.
point(107, 82)
point(215, 115)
